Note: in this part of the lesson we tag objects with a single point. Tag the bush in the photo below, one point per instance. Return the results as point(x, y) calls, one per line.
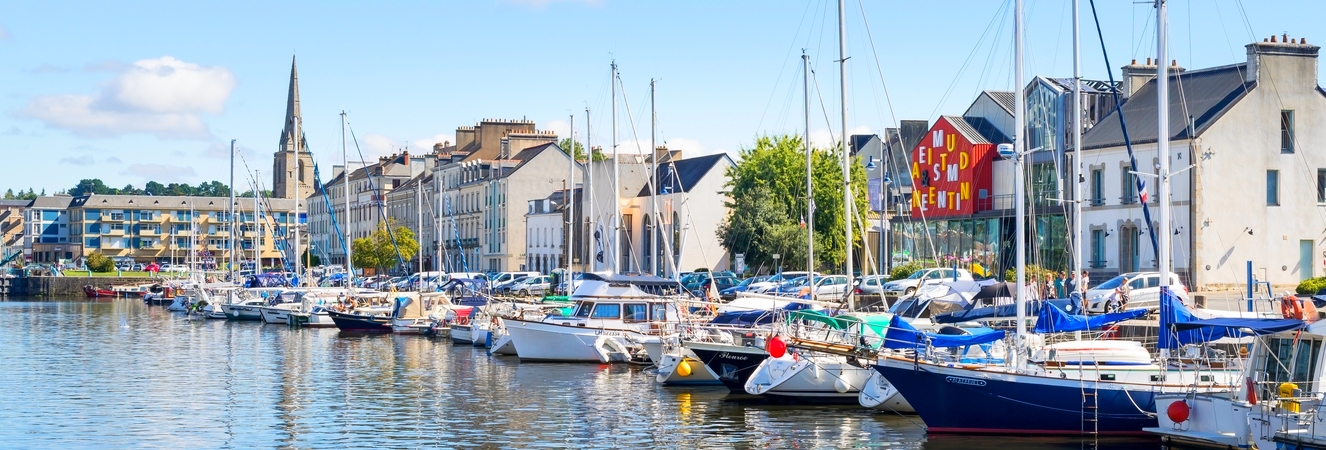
point(1311, 286)
point(98, 262)
point(1033, 271)
point(905, 270)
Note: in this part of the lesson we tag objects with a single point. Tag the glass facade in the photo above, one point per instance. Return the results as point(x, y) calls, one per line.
point(987, 241)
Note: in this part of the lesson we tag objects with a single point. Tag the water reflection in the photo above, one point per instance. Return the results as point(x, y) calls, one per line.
point(121, 374)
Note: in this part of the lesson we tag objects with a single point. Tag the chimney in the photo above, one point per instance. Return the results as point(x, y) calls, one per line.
point(1291, 60)
point(1135, 76)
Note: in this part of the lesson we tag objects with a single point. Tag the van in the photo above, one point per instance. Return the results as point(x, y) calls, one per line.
point(504, 277)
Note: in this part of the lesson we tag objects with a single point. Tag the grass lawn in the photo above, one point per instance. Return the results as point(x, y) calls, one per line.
point(112, 274)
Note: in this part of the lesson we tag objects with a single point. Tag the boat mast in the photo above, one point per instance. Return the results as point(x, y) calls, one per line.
point(1162, 150)
point(419, 219)
point(1077, 150)
point(655, 226)
point(616, 190)
point(570, 203)
point(345, 179)
point(589, 191)
point(847, 154)
point(1019, 179)
point(810, 197)
point(230, 222)
point(257, 227)
point(299, 178)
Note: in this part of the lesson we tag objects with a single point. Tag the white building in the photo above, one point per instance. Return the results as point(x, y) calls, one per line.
point(1257, 191)
point(632, 173)
point(369, 186)
point(414, 206)
point(545, 232)
point(688, 207)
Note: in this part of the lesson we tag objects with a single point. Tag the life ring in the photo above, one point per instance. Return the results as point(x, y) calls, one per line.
point(1290, 308)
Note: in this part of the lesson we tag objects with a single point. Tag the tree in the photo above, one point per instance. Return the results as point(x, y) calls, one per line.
point(767, 202)
point(380, 250)
point(580, 150)
point(9, 194)
point(309, 260)
point(98, 262)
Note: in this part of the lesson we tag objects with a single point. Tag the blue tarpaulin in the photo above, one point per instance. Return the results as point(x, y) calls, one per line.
point(902, 335)
point(1054, 320)
point(753, 317)
point(1184, 328)
point(1007, 311)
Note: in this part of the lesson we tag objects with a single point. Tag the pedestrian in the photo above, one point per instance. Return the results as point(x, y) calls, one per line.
point(1035, 287)
point(1059, 286)
point(1084, 284)
point(1070, 284)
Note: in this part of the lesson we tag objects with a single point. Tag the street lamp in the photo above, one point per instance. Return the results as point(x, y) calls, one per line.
point(884, 259)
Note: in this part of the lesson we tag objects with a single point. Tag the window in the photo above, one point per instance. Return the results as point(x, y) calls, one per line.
point(660, 311)
point(1097, 249)
point(1321, 185)
point(1273, 187)
point(1097, 187)
point(607, 311)
point(636, 312)
point(1286, 131)
point(50, 215)
point(92, 242)
point(92, 214)
point(1129, 187)
point(584, 309)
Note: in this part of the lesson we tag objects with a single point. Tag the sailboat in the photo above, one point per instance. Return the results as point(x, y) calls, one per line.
point(1086, 387)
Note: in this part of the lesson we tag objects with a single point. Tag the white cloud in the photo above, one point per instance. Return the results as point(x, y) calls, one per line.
point(221, 150)
point(821, 139)
point(163, 173)
point(114, 160)
point(559, 126)
point(45, 69)
point(84, 160)
point(162, 96)
point(426, 144)
point(375, 145)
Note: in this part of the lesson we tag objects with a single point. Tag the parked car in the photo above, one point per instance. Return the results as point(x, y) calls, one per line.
point(871, 285)
point(505, 277)
point(731, 292)
point(774, 281)
point(723, 282)
point(1143, 290)
point(177, 268)
point(827, 287)
point(530, 286)
point(924, 277)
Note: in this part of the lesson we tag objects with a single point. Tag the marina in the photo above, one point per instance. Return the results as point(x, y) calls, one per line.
point(122, 374)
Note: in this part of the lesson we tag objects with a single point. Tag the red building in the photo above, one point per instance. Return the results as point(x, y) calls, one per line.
point(951, 170)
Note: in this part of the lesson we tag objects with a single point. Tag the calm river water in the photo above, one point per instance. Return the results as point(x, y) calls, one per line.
point(119, 374)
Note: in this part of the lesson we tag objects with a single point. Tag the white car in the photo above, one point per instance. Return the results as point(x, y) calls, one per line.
point(774, 282)
point(1143, 291)
point(906, 287)
point(178, 268)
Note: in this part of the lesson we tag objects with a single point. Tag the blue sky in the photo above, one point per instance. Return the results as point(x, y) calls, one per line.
point(155, 90)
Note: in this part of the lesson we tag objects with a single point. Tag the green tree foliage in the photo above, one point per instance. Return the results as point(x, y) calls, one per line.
point(213, 188)
point(1311, 286)
point(580, 150)
point(377, 250)
point(767, 200)
point(98, 262)
point(310, 260)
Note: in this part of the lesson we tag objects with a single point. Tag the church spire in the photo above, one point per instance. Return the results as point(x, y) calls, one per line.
point(291, 109)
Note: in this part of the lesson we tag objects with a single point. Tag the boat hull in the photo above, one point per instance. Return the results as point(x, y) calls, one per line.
point(818, 379)
point(957, 400)
point(1214, 421)
point(275, 314)
point(242, 312)
point(360, 323)
point(462, 334)
point(671, 371)
point(537, 341)
point(879, 394)
point(733, 364)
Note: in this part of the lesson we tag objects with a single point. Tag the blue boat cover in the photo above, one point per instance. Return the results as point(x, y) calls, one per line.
point(1054, 320)
point(1185, 328)
point(1008, 310)
point(753, 317)
point(265, 280)
point(902, 335)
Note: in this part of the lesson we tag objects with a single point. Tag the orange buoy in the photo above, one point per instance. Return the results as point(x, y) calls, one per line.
point(1178, 411)
point(777, 348)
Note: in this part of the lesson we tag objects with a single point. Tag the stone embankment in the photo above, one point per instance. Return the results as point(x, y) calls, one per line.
point(61, 286)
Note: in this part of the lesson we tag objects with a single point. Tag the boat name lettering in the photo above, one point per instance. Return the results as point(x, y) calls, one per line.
point(608, 333)
point(966, 381)
point(726, 355)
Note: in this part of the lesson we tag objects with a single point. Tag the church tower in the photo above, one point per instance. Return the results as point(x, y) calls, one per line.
point(292, 163)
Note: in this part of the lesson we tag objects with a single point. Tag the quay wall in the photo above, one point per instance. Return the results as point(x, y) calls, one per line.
point(61, 286)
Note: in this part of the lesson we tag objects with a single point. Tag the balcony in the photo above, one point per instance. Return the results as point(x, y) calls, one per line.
point(112, 232)
point(1097, 264)
point(159, 218)
point(1127, 200)
point(464, 243)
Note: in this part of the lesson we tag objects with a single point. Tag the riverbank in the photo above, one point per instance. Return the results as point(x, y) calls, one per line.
point(62, 286)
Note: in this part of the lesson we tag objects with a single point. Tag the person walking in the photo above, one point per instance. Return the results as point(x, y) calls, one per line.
point(1059, 286)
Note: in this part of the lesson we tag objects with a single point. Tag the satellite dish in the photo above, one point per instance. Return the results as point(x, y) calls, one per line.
point(1006, 151)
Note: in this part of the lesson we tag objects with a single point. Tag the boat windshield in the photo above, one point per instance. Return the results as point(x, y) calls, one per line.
point(584, 309)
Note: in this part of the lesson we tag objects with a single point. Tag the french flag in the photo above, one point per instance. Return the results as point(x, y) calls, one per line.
point(1142, 193)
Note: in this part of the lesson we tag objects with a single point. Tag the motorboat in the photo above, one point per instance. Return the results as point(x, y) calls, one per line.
point(609, 311)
